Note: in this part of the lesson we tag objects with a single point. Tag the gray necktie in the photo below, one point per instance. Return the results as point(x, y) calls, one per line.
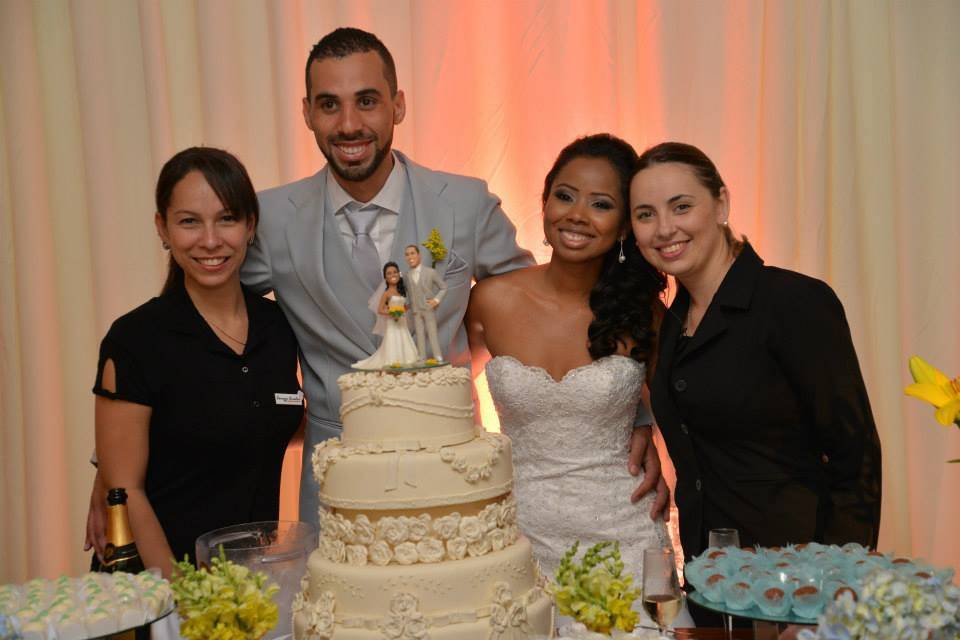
point(365, 255)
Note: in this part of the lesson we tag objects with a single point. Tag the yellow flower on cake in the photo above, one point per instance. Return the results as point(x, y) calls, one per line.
point(932, 386)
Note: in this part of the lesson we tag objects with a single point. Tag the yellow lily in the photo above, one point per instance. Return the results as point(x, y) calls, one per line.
point(936, 388)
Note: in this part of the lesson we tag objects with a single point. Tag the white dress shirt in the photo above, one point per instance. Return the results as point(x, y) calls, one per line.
point(388, 200)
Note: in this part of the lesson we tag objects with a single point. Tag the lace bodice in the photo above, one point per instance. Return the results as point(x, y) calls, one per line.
point(570, 446)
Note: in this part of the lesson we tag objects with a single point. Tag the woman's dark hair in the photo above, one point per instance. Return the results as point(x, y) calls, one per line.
point(626, 295)
point(226, 176)
point(401, 288)
point(703, 168)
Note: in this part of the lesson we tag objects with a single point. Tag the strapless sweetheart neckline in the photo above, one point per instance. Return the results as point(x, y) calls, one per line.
point(569, 373)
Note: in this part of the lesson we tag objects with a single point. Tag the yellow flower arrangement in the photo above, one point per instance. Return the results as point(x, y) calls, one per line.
point(226, 602)
point(396, 312)
point(434, 244)
point(933, 386)
point(595, 592)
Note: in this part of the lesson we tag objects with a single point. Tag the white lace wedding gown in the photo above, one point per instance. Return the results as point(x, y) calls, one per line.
point(397, 346)
point(570, 447)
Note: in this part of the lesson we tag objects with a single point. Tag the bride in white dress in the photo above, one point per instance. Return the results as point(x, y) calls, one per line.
point(397, 347)
point(569, 342)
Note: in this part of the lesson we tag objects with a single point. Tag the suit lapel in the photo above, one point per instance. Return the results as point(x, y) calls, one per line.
point(712, 326)
point(309, 237)
point(430, 210)
point(734, 294)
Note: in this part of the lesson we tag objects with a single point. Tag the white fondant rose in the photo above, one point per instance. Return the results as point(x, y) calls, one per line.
point(357, 555)
point(517, 614)
point(332, 549)
point(447, 526)
point(363, 532)
point(393, 530)
point(340, 528)
point(404, 604)
point(406, 553)
point(430, 550)
point(457, 548)
point(380, 553)
point(386, 382)
point(327, 523)
point(419, 528)
point(320, 625)
point(489, 516)
point(473, 475)
point(447, 454)
point(508, 512)
point(298, 602)
point(479, 548)
point(460, 465)
point(416, 627)
point(512, 534)
point(497, 539)
point(320, 616)
point(338, 551)
point(472, 529)
point(392, 628)
point(485, 472)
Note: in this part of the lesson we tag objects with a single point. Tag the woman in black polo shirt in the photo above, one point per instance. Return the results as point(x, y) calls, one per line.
point(197, 391)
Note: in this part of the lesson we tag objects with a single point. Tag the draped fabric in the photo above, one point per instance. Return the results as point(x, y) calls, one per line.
point(834, 124)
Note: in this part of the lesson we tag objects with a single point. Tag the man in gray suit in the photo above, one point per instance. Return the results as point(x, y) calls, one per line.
point(421, 284)
point(322, 240)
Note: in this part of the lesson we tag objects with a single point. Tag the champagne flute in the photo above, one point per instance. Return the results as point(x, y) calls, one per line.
point(662, 597)
point(724, 538)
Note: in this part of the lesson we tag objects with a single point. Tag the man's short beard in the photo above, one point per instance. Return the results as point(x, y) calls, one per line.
point(359, 174)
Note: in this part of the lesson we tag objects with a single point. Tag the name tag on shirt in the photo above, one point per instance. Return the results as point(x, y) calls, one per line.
point(289, 398)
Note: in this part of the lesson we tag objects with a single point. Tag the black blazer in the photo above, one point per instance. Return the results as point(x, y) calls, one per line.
point(765, 414)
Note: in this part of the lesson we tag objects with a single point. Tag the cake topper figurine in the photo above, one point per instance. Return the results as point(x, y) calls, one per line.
point(397, 349)
point(426, 292)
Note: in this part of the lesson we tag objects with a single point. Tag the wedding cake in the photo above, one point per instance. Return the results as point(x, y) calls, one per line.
point(420, 540)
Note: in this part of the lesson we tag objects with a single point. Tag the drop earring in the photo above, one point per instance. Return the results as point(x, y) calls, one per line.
point(621, 258)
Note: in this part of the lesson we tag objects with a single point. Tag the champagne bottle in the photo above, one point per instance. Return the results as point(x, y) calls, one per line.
point(121, 553)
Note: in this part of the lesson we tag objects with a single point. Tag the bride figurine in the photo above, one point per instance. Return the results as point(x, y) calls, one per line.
point(397, 348)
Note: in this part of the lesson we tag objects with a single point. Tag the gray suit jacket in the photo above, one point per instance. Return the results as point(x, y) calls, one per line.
point(325, 300)
point(429, 285)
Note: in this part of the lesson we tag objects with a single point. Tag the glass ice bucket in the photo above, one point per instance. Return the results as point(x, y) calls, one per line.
point(277, 548)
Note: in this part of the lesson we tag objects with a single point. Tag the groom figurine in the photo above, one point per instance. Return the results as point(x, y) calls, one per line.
point(421, 283)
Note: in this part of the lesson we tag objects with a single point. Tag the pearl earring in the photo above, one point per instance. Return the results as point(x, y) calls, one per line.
point(546, 242)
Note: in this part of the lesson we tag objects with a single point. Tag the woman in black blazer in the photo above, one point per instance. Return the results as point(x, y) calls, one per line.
point(757, 389)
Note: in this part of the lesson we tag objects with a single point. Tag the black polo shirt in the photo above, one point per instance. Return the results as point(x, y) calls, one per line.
point(220, 422)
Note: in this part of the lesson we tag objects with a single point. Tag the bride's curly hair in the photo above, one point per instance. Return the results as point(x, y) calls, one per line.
point(626, 298)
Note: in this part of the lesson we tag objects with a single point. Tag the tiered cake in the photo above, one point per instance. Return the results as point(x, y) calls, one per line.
point(421, 538)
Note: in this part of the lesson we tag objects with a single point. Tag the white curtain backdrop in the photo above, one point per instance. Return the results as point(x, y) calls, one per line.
point(834, 123)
